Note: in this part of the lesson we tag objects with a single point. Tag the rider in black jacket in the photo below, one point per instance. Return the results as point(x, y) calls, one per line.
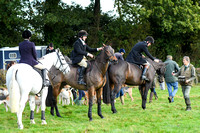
point(80, 53)
point(136, 57)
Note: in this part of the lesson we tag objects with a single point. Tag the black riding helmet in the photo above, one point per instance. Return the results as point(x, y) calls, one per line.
point(149, 39)
point(82, 33)
point(26, 34)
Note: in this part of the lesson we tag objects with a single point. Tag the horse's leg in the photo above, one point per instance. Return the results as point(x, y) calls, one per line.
point(55, 106)
point(90, 95)
point(57, 112)
point(144, 99)
point(52, 110)
point(151, 95)
point(98, 94)
point(32, 107)
point(43, 104)
point(113, 94)
point(23, 100)
point(54, 100)
point(144, 91)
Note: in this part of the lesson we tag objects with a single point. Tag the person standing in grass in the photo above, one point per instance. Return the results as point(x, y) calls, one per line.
point(186, 76)
point(170, 80)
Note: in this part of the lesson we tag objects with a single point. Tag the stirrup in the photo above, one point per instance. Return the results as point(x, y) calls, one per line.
point(145, 78)
point(46, 83)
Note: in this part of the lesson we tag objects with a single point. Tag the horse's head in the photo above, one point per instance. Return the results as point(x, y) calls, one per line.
point(159, 67)
point(109, 51)
point(161, 71)
point(61, 63)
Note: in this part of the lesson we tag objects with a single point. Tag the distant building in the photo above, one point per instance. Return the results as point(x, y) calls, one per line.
point(8, 54)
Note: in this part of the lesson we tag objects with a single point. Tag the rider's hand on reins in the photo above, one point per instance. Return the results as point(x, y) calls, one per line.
point(156, 60)
point(100, 48)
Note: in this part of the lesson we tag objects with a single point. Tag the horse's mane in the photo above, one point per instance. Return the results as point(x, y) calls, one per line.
point(68, 60)
point(153, 62)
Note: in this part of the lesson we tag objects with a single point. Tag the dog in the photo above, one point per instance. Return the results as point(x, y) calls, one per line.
point(86, 98)
point(4, 98)
point(65, 96)
point(129, 91)
point(37, 103)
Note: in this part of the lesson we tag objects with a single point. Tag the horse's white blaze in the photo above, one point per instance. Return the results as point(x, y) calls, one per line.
point(22, 80)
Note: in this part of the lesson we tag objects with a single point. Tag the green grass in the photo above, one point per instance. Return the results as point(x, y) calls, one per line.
point(160, 116)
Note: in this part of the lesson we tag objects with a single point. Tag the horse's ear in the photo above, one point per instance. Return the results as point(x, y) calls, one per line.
point(58, 50)
point(104, 45)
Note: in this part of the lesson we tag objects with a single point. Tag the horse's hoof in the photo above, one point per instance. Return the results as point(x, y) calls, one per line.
point(58, 115)
point(32, 121)
point(102, 117)
point(21, 127)
point(144, 108)
point(52, 114)
point(44, 122)
point(91, 119)
point(115, 111)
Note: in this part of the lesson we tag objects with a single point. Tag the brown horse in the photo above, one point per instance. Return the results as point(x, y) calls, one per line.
point(130, 74)
point(95, 78)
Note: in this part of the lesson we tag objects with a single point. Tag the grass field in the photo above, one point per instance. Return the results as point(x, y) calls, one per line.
point(159, 116)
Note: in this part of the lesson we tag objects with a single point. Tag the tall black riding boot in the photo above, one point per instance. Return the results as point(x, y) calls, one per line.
point(81, 73)
point(188, 104)
point(45, 81)
point(144, 74)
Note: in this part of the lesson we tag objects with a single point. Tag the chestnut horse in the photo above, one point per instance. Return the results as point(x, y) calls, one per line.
point(130, 74)
point(95, 78)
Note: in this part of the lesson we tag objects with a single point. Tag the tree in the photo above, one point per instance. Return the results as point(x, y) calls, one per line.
point(12, 22)
point(174, 24)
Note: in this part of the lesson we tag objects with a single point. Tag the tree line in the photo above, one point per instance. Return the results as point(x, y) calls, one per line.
point(174, 24)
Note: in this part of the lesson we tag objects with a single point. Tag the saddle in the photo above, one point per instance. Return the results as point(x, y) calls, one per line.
point(139, 66)
point(88, 69)
point(39, 71)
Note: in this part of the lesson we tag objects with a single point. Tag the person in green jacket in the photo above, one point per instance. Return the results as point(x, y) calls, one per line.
point(186, 76)
point(170, 80)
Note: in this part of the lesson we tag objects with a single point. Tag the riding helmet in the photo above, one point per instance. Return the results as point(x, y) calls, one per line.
point(149, 39)
point(26, 34)
point(122, 50)
point(82, 33)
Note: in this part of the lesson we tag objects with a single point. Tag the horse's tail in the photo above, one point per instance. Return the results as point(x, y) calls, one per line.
point(14, 92)
point(106, 90)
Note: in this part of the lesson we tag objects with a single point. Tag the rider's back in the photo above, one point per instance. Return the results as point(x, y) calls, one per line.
point(28, 53)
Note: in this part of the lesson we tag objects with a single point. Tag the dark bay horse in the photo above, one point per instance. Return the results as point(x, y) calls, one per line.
point(95, 78)
point(130, 74)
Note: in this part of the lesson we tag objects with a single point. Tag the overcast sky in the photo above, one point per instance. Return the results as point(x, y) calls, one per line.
point(106, 5)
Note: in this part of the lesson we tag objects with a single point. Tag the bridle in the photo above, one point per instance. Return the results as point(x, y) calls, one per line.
point(61, 63)
point(108, 57)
